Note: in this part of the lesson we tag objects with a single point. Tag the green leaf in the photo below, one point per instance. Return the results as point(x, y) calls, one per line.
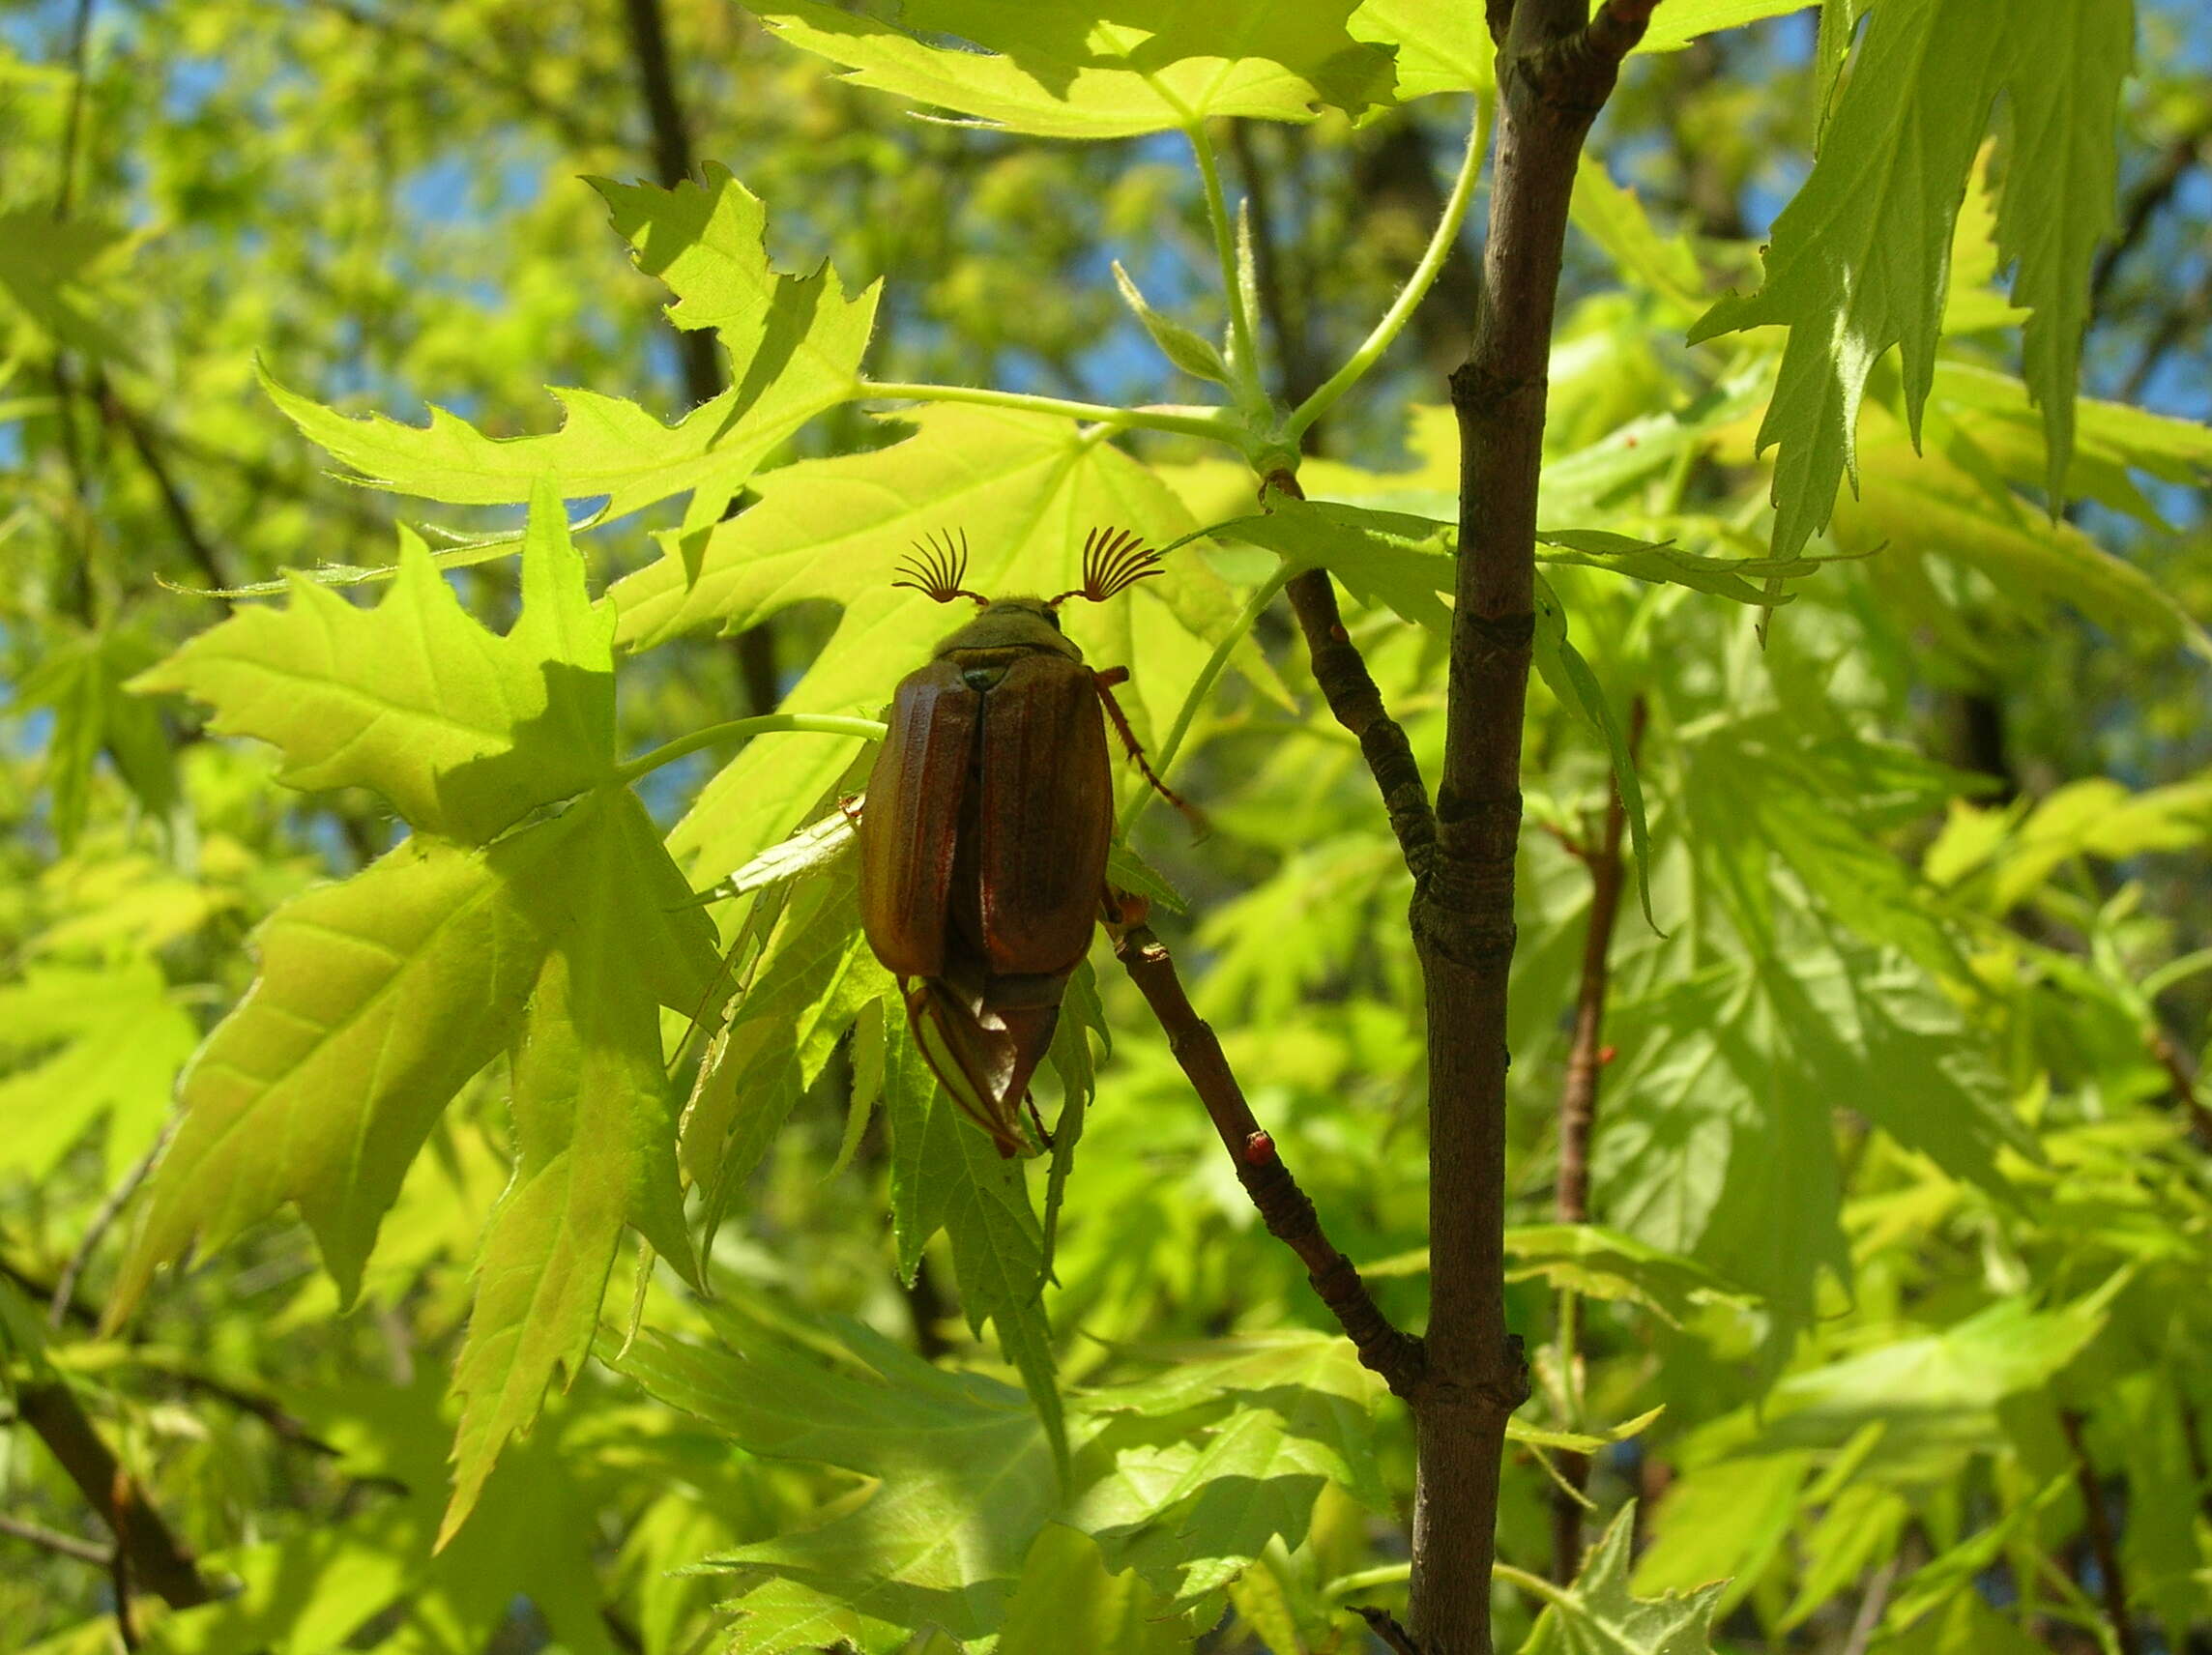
point(1728, 1520)
point(946, 1174)
point(1946, 502)
point(1191, 351)
point(1935, 1395)
point(1066, 1603)
point(1024, 488)
point(82, 678)
point(2068, 64)
point(1953, 1574)
point(50, 269)
point(463, 730)
point(1725, 1147)
point(377, 999)
point(795, 345)
point(1518, 1430)
point(1055, 70)
point(1282, 1415)
point(1599, 1615)
point(814, 975)
point(101, 1043)
point(1678, 22)
point(1572, 682)
point(1665, 562)
point(1128, 871)
point(1605, 1263)
point(1611, 216)
point(1857, 260)
point(595, 1133)
point(1382, 557)
point(966, 1480)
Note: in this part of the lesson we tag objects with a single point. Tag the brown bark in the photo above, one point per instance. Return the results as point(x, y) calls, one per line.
point(144, 1542)
point(1578, 1122)
point(1556, 70)
point(2104, 1543)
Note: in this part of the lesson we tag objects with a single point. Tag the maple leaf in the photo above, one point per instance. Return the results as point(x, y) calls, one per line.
point(1597, 1615)
point(1858, 260)
point(794, 346)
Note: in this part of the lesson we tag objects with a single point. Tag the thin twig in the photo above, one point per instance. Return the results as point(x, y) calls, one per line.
point(1578, 1089)
point(1340, 671)
point(110, 1209)
point(53, 1540)
point(1872, 1602)
point(2104, 1545)
point(2156, 189)
point(73, 122)
point(1578, 1121)
point(1282, 1207)
point(116, 412)
point(1385, 1625)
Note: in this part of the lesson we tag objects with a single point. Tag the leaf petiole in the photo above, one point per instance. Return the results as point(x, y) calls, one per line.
point(1409, 296)
point(809, 723)
point(1218, 425)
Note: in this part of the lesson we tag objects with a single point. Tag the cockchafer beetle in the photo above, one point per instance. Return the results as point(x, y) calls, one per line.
point(985, 833)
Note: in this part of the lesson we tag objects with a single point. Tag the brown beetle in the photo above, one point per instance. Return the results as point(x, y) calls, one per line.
point(983, 837)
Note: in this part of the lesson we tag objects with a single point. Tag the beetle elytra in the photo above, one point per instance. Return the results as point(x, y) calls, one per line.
point(984, 833)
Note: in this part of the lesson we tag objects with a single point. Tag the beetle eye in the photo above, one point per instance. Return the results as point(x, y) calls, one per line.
point(1052, 618)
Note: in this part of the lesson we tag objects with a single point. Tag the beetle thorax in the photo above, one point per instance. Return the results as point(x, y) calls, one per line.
point(1010, 625)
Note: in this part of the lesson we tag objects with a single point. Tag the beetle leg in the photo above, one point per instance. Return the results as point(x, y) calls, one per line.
point(1044, 1134)
point(1105, 682)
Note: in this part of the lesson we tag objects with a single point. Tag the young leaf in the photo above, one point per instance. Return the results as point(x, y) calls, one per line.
point(377, 999)
point(795, 345)
point(107, 1042)
point(954, 1178)
point(1191, 351)
point(82, 678)
point(1280, 1415)
point(1857, 260)
point(594, 1137)
point(1053, 70)
point(1067, 1600)
point(463, 730)
point(1597, 1615)
point(966, 1480)
point(814, 976)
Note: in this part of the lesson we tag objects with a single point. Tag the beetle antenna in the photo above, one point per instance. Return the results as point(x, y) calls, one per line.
point(938, 568)
point(1114, 560)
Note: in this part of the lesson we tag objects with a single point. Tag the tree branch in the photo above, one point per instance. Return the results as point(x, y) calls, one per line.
point(1578, 1120)
point(2151, 195)
point(1556, 72)
point(116, 412)
point(1282, 1207)
point(143, 1539)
